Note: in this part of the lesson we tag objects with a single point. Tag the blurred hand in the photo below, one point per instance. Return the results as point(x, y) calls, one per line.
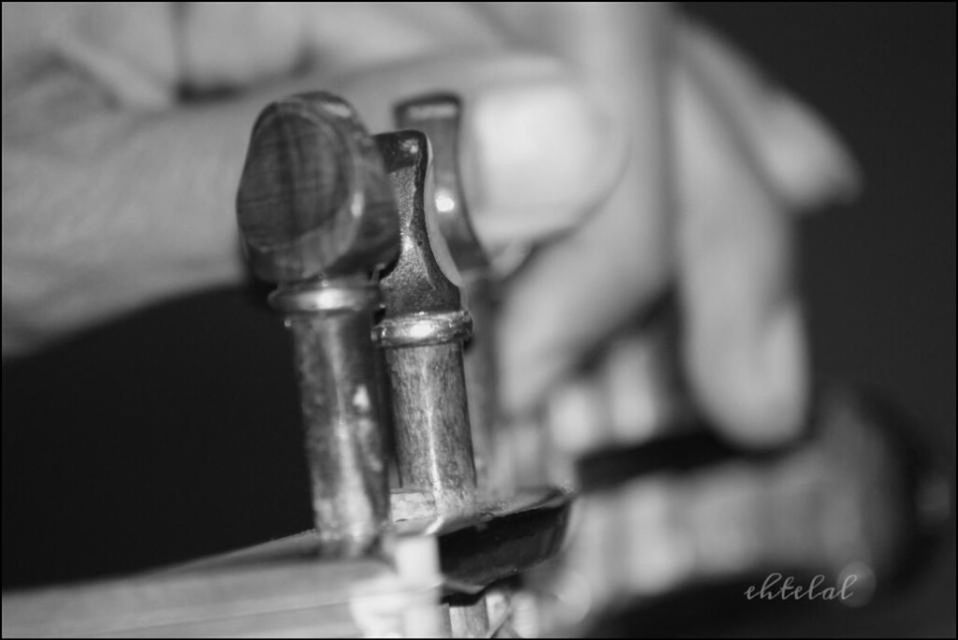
point(642, 147)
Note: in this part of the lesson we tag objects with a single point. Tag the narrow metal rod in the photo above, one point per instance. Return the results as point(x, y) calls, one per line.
point(433, 446)
point(333, 356)
point(439, 116)
point(422, 333)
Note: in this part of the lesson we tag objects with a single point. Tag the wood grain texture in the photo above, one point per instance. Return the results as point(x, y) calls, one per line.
point(292, 599)
point(314, 200)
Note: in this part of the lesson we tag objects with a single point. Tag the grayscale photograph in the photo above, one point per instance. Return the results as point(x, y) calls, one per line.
point(478, 319)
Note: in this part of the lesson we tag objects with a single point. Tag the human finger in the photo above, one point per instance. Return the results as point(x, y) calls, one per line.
point(581, 288)
point(239, 44)
point(537, 151)
point(185, 163)
point(799, 156)
point(744, 345)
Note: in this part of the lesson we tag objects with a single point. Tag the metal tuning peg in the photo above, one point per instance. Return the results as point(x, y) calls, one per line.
point(422, 333)
point(439, 116)
point(317, 216)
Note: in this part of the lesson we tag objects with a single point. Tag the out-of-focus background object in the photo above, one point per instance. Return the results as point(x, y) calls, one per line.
point(878, 274)
point(176, 463)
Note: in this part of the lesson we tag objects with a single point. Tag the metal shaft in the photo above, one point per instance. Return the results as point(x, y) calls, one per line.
point(439, 117)
point(428, 392)
point(422, 333)
point(333, 358)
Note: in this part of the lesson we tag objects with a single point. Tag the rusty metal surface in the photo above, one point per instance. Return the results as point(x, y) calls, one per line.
point(426, 380)
point(344, 446)
point(432, 434)
point(416, 283)
point(439, 116)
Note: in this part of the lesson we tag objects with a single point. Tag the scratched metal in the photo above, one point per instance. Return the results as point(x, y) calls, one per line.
point(439, 117)
point(334, 364)
point(432, 434)
point(427, 383)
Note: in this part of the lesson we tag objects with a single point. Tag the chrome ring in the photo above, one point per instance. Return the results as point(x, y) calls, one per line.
point(325, 297)
point(423, 329)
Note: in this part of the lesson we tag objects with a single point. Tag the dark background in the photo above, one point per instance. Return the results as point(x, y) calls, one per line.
point(879, 275)
point(173, 433)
